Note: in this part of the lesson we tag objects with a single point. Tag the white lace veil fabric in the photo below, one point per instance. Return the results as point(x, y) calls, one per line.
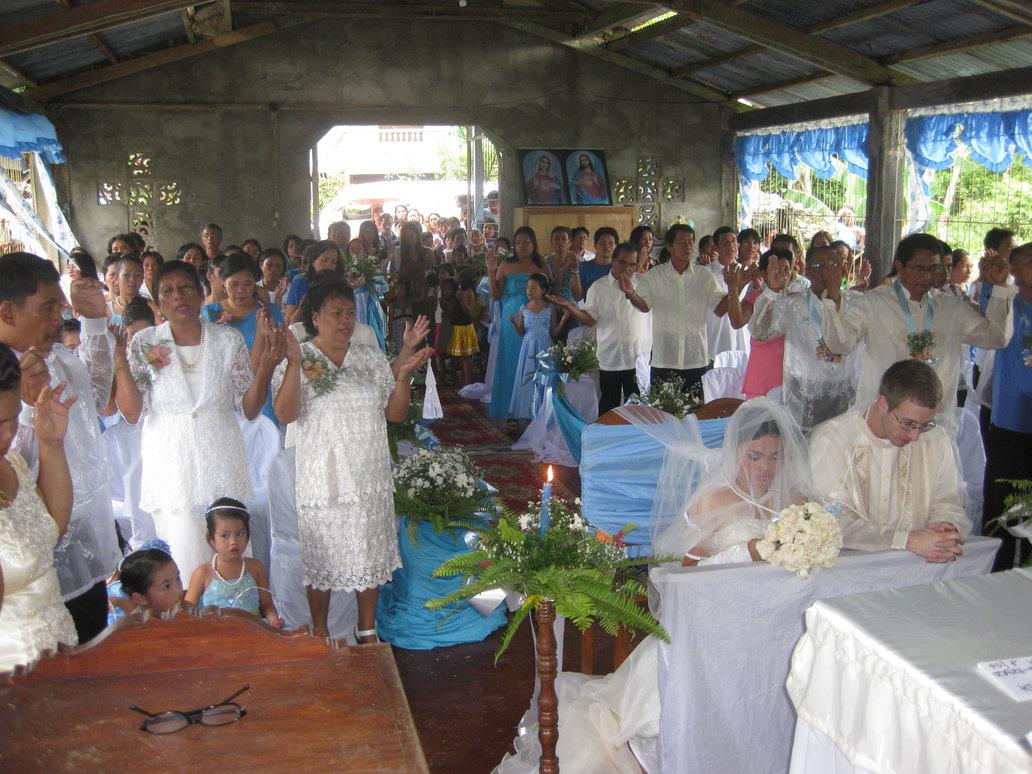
point(705, 496)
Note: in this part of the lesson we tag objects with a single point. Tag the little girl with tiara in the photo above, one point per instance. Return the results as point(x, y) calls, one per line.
point(538, 322)
point(150, 579)
point(232, 579)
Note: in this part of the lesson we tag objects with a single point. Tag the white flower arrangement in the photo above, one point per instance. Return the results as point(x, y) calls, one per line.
point(575, 359)
point(438, 485)
point(802, 539)
point(672, 397)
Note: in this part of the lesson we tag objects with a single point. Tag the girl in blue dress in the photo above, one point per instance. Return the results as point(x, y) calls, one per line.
point(537, 322)
point(509, 275)
point(231, 579)
point(241, 308)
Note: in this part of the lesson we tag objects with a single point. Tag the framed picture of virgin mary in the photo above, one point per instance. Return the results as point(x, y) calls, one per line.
point(587, 177)
point(543, 182)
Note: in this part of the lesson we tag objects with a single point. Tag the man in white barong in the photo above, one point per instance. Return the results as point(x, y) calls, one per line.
point(721, 335)
point(903, 319)
point(891, 472)
point(31, 303)
point(818, 384)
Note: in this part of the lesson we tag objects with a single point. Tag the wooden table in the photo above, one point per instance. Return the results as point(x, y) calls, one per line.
point(309, 705)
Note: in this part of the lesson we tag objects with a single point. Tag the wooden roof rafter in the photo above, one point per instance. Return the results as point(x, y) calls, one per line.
point(80, 21)
point(707, 93)
point(140, 64)
point(856, 17)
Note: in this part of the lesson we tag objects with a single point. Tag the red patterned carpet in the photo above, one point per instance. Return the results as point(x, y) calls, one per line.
point(515, 474)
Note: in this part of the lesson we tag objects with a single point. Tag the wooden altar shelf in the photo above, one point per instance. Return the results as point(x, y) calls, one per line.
point(312, 703)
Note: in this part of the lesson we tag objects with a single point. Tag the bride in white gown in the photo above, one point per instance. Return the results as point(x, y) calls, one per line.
point(711, 507)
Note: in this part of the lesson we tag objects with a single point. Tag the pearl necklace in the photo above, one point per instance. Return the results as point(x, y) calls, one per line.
point(214, 569)
point(191, 364)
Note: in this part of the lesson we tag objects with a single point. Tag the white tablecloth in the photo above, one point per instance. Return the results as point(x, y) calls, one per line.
point(722, 679)
point(888, 682)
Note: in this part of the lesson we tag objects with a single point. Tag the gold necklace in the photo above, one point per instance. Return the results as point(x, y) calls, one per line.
point(191, 364)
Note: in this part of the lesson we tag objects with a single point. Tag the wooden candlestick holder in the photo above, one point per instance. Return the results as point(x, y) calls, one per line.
point(548, 701)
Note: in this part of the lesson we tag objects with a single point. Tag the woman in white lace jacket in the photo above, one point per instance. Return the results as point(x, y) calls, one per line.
point(187, 378)
point(341, 395)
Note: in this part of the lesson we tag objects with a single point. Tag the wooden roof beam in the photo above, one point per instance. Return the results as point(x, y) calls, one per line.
point(96, 40)
point(79, 21)
point(594, 32)
point(858, 16)
point(958, 45)
point(472, 12)
point(707, 93)
point(19, 74)
point(1018, 10)
point(89, 78)
point(656, 30)
point(766, 88)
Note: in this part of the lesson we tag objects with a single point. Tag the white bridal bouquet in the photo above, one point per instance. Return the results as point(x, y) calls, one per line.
point(803, 539)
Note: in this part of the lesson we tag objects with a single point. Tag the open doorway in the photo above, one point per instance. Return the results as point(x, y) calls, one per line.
point(409, 171)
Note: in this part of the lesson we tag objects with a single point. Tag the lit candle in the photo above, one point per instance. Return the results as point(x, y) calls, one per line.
point(546, 503)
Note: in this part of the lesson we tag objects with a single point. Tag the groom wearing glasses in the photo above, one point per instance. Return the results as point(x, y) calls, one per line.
point(892, 472)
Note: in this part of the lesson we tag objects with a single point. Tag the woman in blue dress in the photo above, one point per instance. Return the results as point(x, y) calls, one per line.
point(368, 309)
point(319, 256)
point(537, 322)
point(509, 285)
point(241, 308)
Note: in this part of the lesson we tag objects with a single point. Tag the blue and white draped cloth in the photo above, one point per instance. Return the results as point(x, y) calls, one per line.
point(550, 398)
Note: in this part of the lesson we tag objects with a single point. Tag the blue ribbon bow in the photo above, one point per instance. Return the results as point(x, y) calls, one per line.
point(550, 397)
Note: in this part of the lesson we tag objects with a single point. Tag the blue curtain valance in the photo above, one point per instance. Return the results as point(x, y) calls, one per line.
point(785, 151)
point(990, 137)
point(27, 134)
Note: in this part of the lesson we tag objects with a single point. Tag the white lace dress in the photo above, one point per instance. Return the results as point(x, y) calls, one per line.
point(33, 619)
point(344, 488)
point(192, 448)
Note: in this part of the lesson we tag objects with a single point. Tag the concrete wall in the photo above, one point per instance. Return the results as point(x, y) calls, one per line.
point(234, 127)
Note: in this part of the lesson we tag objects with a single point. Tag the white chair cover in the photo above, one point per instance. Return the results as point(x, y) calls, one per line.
point(288, 591)
point(722, 383)
point(972, 466)
point(731, 358)
point(261, 445)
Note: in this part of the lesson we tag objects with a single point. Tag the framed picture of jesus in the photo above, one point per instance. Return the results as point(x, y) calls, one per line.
point(587, 177)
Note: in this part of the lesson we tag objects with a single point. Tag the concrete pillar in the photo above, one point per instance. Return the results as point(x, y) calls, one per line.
point(885, 183)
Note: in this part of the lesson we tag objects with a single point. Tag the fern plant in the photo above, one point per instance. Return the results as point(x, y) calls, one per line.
point(585, 574)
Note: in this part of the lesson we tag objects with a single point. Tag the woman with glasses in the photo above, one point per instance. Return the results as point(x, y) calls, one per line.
point(892, 471)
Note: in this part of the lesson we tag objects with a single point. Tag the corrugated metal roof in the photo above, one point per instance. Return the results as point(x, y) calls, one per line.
point(58, 60)
point(922, 23)
point(18, 10)
point(145, 35)
point(754, 70)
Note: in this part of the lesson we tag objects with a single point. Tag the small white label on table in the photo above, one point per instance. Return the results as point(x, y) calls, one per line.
point(1013, 676)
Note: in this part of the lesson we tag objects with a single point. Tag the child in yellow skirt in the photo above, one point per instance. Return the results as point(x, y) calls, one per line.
point(463, 310)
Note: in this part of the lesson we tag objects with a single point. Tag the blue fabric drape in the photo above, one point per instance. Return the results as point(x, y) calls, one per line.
point(990, 137)
point(402, 617)
point(619, 471)
point(32, 133)
point(785, 151)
